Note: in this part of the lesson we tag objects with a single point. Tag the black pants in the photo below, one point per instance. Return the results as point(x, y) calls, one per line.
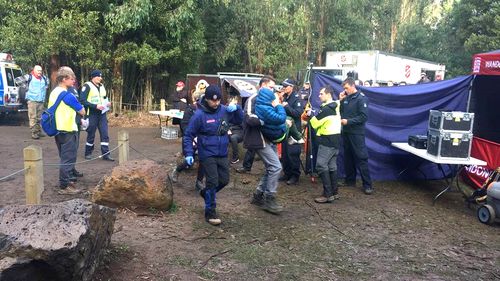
point(66, 146)
point(217, 177)
point(290, 158)
point(248, 160)
point(356, 156)
point(234, 140)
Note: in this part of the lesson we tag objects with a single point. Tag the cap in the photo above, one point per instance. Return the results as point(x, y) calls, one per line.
point(288, 82)
point(180, 84)
point(95, 73)
point(213, 93)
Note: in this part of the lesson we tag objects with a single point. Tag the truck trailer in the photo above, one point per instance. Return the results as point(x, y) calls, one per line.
point(382, 67)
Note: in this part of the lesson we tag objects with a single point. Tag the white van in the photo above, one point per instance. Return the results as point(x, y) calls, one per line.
point(10, 101)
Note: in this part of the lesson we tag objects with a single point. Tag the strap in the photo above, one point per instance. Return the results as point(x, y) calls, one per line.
point(58, 101)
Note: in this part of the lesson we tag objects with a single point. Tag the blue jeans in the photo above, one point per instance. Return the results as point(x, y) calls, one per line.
point(269, 181)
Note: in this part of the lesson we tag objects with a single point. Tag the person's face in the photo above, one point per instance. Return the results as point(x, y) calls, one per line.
point(38, 71)
point(287, 89)
point(307, 86)
point(179, 88)
point(213, 103)
point(349, 89)
point(68, 81)
point(97, 80)
point(323, 96)
point(366, 84)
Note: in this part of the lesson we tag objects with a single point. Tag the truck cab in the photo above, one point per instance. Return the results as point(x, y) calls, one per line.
point(10, 100)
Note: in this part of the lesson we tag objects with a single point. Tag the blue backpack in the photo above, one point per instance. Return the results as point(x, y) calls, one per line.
point(48, 121)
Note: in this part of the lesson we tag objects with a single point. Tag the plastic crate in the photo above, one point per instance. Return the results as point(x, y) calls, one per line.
point(169, 133)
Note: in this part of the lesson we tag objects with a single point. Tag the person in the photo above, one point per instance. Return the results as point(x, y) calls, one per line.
point(235, 136)
point(93, 96)
point(354, 114)
point(209, 125)
point(423, 78)
point(37, 85)
point(327, 127)
point(179, 100)
point(264, 196)
point(188, 114)
point(305, 91)
point(294, 106)
point(65, 115)
point(275, 130)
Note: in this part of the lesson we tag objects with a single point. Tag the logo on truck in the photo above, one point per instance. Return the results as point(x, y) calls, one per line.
point(407, 71)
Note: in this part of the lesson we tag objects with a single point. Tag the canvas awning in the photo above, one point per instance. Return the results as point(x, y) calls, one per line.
point(246, 86)
point(486, 63)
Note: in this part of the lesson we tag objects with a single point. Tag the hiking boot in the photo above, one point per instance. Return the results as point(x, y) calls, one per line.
point(270, 205)
point(292, 181)
point(212, 218)
point(284, 178)
point(368, 190)
point(174, 175)
point(198, 186)
point(77, 174)
point(258, 199)
point(235, 160)
point(70, 189)
point(323, 199)
point(243, 170)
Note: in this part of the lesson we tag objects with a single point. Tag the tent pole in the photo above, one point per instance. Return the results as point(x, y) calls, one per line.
point(470, 92)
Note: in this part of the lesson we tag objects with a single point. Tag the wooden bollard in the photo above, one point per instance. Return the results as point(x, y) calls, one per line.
point(33, 176)
point(123, 144)
point(162, 104)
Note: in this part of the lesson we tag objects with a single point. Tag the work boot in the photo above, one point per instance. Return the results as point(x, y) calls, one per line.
point(211, 217)
point(258, 199)
point(68, 189)
point(174, 175)
point(243, 170)
point(198, 186)
point(270, 205)
point(323, 199)
point(293, 180)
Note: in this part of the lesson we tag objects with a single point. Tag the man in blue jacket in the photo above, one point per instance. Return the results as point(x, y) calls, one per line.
point(210, 124)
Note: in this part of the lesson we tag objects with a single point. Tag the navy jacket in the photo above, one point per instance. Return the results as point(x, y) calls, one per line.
point(205, 125)
point(354, 108)
point(252, 136)
point(295, 107)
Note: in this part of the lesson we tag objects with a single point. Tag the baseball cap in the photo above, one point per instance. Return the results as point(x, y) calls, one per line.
point(288, 82)
point(179, 84)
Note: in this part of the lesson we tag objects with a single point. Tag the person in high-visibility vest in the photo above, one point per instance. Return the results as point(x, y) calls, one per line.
point(93, 97)
point(66, 139)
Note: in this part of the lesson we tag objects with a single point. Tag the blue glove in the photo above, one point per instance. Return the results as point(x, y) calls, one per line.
point(189, 160)
point(231, 108)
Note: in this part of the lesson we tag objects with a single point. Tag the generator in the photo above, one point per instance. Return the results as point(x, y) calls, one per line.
point(490, 211)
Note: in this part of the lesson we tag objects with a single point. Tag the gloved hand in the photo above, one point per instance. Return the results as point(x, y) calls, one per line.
point(231, 108)
point(189, 160)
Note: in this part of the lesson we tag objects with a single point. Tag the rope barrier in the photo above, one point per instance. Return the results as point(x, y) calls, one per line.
point(158, 162)
point(15, 173)
point(85, 161)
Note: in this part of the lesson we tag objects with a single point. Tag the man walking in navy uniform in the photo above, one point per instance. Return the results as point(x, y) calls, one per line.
point(354, 113)
point(93, 97)
point(294, 106)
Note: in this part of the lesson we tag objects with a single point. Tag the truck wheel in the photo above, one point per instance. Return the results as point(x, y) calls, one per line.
point(486, 214)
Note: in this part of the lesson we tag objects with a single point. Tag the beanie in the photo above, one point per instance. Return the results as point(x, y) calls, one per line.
point(95, 73)
point(213, 93)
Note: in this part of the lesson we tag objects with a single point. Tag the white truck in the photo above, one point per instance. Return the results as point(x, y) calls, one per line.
point(10, 101)
point(382, 67)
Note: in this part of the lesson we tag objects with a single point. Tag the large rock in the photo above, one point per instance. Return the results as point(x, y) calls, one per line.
point(63, 241)
point(135, 184)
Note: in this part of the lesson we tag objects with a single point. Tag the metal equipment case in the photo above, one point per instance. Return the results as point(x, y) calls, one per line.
point(451, 120)
point(449, 144)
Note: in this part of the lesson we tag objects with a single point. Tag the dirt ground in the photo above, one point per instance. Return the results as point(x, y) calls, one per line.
point(395, 234)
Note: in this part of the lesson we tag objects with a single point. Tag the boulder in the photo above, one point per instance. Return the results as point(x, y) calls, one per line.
point(139, 184)
point(63, 241)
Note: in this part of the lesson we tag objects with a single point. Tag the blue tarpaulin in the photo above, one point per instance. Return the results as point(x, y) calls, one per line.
point(394, 114)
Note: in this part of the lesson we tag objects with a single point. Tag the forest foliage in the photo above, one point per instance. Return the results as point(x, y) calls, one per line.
point(144, 46)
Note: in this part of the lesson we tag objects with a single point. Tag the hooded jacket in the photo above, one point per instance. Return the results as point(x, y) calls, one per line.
point(273, 117)
point(206, 125)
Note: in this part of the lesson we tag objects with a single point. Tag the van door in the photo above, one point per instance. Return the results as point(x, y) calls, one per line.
point(11, 89)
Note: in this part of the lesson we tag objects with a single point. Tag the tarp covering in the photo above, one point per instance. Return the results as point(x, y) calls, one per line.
point(394, 114)
point(246, 86)
point(486, 63)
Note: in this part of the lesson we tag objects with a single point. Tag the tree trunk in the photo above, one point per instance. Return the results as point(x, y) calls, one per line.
point(148, 91)
point(55, 63)
point(116, 90)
